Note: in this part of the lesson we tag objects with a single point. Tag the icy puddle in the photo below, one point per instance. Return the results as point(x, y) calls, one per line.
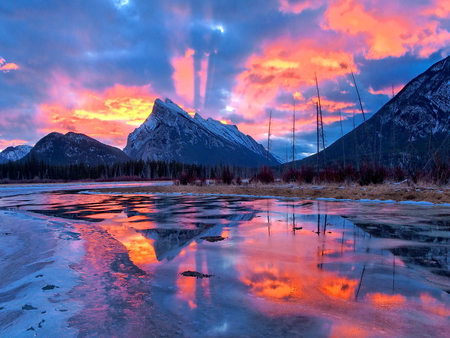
point(170, 265)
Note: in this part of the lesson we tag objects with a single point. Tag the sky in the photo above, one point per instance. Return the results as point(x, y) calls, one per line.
point(96, 66)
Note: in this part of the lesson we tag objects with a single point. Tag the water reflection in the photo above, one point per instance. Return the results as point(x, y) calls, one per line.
point(285, 268)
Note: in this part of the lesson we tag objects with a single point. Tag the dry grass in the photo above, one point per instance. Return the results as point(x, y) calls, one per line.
point(399, 192)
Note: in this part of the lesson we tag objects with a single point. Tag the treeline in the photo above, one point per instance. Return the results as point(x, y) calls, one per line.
point(368, 173)
point(35, 170)
point(39, 171)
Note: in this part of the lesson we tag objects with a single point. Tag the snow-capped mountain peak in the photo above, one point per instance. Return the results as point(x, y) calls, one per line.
point(14, 153)
point(170, 133)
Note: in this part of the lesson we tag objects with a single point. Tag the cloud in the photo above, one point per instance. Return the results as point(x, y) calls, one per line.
point(96, 67)
point(8, 143)
point(6, 67)
point(389, 27)
point(108, 116)
point(298, 6)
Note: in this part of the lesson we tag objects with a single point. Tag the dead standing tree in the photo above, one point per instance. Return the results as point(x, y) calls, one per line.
point(320, 131)
point(366, 136)
point(293, 136)
point(268, 139)
point(342, 136)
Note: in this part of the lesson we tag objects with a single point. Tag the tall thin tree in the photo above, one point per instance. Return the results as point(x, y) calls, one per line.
point(317, 137)
point(342, 136)
point(293, 134)
point(359, 96)
point(320, 121)
point(268, 139)
point(366, 136)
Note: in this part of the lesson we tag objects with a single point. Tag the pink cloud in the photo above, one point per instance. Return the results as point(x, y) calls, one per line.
point(108, 116)
point(389, 28)
point(7, 67)
point(8, 143)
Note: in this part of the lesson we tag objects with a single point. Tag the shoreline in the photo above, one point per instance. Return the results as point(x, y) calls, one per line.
point(376, 193)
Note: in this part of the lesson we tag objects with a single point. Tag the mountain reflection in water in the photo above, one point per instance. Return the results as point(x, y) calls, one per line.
point(285, 268)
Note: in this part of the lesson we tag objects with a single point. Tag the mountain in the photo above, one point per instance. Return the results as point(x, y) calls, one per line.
point(411, 130)
point(73, 148)
point(171, 134)
point(14, 153)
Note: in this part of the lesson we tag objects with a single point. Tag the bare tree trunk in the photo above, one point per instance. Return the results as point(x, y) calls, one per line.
point(268, 139)
point(342, 136)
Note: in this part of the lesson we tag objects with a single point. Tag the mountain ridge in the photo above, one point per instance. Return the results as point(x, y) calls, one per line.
point(14, 153)
point(74, 148)
point(170, 134)
point(411, 130)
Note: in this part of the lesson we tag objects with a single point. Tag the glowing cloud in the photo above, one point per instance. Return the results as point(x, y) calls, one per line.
point(7, 67)
point(386, 32)
point(389, 91)
point(108, 116)
point(184, 75)
point(269, 75)
point(8, 143)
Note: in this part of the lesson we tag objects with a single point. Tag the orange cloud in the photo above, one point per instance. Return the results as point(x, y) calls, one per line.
point(441, 9)
point(183, 76)
point(8, 143)
point(394, 31)
point(108, 116)
point(286, 66)
point(6, 67)
point(387, 91)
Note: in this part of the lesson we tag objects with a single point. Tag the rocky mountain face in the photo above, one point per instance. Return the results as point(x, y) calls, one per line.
point(411, 130)
point(73, 148)
point(171, 134)
point(14, 153)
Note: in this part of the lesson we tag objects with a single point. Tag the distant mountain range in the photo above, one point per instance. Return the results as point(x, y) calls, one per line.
point(171, 134)
point(73, 148)
point(168, 134)
point(411, 130)
point(14, 153)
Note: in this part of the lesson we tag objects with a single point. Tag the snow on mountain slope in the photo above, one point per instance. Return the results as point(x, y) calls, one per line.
point(170, 133)
point(14, 153)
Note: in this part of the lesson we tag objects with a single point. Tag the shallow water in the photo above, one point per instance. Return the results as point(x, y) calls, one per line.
point(285, 268)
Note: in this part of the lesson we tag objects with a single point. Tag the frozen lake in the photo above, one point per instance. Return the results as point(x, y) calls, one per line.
point(92, 265)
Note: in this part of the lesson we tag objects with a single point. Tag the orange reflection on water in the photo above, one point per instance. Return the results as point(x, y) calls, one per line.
point(140, 248)
point(432, 305)
point(267, 280)
point(339, 287)
point(189, 288)
point(382, 300)
point(347, 330)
